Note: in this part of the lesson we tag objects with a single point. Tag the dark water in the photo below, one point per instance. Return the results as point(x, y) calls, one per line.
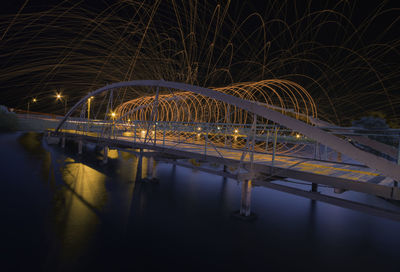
point(60, 212)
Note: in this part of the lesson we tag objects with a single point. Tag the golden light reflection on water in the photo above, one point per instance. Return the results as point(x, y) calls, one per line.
point(81, 196)
point(113, 153)
point(84, 195)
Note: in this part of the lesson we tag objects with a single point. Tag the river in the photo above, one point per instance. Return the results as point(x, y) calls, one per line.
point(63, 212)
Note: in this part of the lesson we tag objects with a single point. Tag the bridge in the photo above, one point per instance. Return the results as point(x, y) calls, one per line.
point(258, 132)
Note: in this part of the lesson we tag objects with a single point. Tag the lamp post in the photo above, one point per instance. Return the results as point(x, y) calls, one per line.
point(88, 111)
point(60, 97)
point(113, 116)
point(34, 100)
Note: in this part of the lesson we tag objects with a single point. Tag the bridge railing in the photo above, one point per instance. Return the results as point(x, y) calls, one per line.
point(268, 138)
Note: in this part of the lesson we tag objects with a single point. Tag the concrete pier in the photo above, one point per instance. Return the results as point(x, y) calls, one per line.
point(80, 146)
point(314, 187)
point(105, 154)
point(246, 198)
point(63, 142)
point(245, 213)
point(139, 166)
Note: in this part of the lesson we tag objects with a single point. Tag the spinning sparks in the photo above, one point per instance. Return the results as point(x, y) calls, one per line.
point(341, 62)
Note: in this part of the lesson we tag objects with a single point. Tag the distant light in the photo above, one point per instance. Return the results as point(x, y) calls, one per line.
point(129, 120)
point(58, 96)
point(113, 114)
point(143, 131)
point(199, 128)
point(34, 100)
point(236, 131)
point(218, 127)
point(297, 135)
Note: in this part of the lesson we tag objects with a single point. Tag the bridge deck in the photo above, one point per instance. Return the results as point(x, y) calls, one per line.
point(338, 175)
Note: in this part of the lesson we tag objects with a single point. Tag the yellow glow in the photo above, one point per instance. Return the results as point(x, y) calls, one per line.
point(236, 131)
point(199, 128)
point(113, 153)
point(34, 100)
point(79, 220)
point(143, 131)
point(127, 133)
point(297, 135)
point(58, 96)
point(219, 127)
point(129, 120)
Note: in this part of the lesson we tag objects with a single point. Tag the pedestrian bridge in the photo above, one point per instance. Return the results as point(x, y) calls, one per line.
point(264, 131)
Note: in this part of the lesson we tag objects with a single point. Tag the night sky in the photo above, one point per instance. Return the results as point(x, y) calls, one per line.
point(344, 54)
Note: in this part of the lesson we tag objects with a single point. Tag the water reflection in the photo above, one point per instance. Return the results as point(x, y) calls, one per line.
point(98, 214)
point(32, 144)
point(76, 204)
point(80, 187)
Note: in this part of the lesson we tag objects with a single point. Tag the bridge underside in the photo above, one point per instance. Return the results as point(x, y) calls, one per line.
point(340, 176)
point(268, 176)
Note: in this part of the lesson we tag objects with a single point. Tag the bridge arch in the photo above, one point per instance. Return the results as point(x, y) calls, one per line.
point(382, 165)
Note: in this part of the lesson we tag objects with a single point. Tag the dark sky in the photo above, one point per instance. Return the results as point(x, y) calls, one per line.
point(341, 95)
point(362, 9)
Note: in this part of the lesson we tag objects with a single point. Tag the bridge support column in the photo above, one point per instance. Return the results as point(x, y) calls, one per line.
point(225, 168)
point(151, 173)
point(80, 146)
point(246, 198)
point(244, 213)
point(314, 187)
point(139, 165)
point(63, 141)
point(105, 154)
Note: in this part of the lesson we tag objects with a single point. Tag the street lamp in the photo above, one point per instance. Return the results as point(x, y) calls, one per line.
point(60, 97)
point(88, 111)
point(34, 100)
